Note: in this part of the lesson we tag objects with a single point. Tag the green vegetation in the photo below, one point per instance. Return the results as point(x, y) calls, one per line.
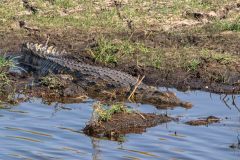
point(225, 25)
point(144, 33)
point(101, 15)
point(52, 81)
point(7, 91)
point(104, 112)
point(193, 65)
point(222, 58)
point(4, 66)
point(110, 51)
point(63, 3)
point(106, 51)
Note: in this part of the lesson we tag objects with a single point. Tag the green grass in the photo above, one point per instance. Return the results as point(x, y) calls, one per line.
point(110, 51)
point(222, 58)
point(52, 81)
point(6, 87)
point(226, 25)
point(106, 52)
point(193, 64)
point(4, 63)
point(4, 66)
point(105, 112)
point(98, 15)
point(64, 3)
point(116, 42)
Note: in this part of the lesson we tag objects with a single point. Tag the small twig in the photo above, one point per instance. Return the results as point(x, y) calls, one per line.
point(129, 22)
point(118, 5)
point(137, 62)
point(47, 40)
point(130, 37)
point(140, 115)
point(135, 88)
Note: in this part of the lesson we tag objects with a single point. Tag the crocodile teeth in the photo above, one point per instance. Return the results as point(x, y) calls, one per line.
point(49, 50)
point(30, 46)
point(54, 52)
point(39, 47)
point(63, 52)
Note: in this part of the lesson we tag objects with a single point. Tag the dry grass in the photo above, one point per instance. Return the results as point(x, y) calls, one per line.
point(102, 14)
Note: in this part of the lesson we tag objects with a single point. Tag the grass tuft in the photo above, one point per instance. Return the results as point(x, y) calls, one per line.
point(7, 91)
point(104, 112)
point(111, 51)
point(233, 25)
point(52, 81)
point(106, 52)
point(192, 65)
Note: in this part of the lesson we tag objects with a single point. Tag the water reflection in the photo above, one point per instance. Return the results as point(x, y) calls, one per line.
point(28, 131)
point(23, 138)
point(96, 154)
point(230, 100)
point(140, 152)
point(34, 130)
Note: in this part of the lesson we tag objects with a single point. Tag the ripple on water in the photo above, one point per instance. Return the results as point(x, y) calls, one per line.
point(38, 131)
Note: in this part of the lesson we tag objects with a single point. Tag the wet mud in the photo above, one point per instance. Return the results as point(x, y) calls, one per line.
point(204, 121)
point(123, 123)
point(211, 75)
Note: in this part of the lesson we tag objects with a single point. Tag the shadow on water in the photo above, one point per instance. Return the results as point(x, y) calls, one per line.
point(33, 130)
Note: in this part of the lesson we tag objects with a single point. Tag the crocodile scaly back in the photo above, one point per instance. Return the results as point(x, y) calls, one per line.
point(49, 59)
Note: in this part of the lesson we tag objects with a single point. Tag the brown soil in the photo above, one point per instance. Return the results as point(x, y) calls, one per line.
point(210, 76)
point(123, 123)
point(221, 13)
point(49, 95)
point(204, 121)
point(30, 87)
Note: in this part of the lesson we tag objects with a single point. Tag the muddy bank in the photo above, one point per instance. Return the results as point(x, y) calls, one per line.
point(210, 74)
point(123, 123)
point(53, 88)
point(204, 121)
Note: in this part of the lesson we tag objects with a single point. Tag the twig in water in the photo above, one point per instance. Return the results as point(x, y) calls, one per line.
point(140, 115)
point(135, 88)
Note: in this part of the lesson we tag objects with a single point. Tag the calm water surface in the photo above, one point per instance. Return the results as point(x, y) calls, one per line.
point(34, 130)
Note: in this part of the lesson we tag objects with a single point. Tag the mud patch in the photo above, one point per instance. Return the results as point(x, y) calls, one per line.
point(48, 89)
point(213, 41)
point(205, 78)
point(50, 95)
point(204, 121)
point(221, 13)
point(123, 123)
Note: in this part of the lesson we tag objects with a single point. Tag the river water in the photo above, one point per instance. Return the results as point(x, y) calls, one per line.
point(34, 130)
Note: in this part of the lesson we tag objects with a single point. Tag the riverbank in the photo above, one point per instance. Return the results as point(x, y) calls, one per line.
point(193, 48)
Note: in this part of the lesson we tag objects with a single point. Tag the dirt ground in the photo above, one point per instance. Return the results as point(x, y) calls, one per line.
point(199, 55)
point(213, 75)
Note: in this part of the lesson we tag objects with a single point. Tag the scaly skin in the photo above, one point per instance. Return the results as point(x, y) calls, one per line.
point(94, 79)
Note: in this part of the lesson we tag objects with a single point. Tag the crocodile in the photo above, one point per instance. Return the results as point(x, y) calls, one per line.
point(43, 59)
